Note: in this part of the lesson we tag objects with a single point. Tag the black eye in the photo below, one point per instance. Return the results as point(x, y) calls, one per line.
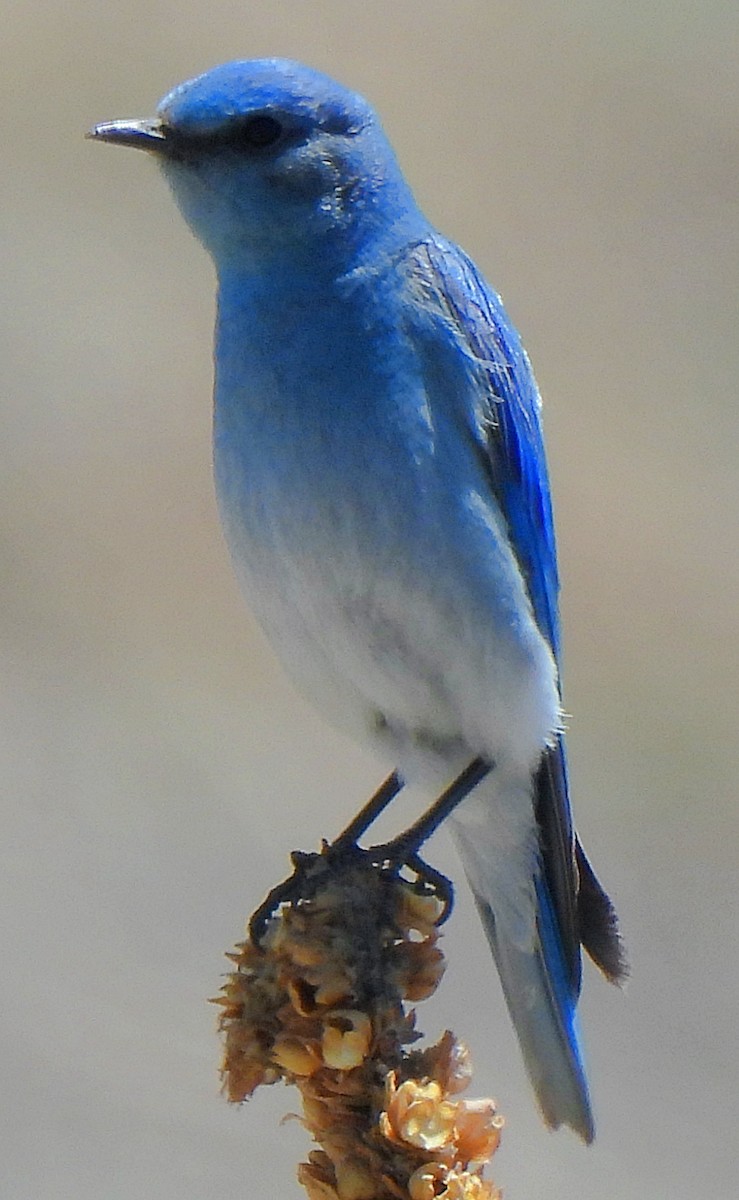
point(259, 132)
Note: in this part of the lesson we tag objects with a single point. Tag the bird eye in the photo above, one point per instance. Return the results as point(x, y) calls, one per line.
point(259, 132)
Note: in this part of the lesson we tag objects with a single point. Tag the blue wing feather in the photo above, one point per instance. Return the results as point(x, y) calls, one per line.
point(515, 443)
point(542, 984)
point(517, 472)
point(513, 448)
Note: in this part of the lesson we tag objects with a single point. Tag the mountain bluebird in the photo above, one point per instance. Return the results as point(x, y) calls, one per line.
point(382, 483)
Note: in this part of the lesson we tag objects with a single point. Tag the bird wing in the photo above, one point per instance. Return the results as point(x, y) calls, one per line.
point(510, 431)
point(509, 440)
point(508, 437)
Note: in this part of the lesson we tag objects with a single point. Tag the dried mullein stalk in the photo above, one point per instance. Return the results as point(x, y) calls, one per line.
point(321, 1002)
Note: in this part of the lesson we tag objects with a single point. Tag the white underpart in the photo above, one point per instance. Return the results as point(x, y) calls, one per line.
point(423, 688)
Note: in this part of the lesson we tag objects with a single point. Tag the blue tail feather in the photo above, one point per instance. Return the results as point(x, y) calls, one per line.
point(541, 1002)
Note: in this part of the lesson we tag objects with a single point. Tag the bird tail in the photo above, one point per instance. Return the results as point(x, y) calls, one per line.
point(539, 992)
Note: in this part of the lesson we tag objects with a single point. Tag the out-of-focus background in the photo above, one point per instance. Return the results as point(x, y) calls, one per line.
point(156, 767)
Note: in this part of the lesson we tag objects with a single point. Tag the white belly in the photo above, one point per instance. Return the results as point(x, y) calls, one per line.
point(398, 661)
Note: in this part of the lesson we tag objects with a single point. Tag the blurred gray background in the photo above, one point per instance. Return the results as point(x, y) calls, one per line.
point(156, 768)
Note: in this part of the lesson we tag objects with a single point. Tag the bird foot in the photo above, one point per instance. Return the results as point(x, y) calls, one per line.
point(311, 872)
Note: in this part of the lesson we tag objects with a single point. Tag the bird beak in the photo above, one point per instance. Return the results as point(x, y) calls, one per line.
point(150, 134)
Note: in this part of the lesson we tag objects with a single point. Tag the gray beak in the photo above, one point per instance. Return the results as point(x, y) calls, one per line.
point(146, 135)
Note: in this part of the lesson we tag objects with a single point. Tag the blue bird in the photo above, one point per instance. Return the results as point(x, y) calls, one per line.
point(382, 483)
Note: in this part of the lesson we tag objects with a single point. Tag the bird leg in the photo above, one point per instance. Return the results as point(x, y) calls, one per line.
point(408, 843)
point(401, 851)
point(345, 845)
point(369, 813)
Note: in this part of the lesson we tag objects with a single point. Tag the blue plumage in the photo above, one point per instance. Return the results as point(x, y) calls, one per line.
point(383, 487)
point(514, 442)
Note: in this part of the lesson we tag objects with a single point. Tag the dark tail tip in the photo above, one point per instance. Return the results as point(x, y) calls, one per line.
point(599, 931)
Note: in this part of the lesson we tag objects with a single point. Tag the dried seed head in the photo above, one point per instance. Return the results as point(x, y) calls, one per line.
point(320, 1004)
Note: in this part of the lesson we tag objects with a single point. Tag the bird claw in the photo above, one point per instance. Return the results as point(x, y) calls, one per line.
point(311, 869)
point(395, 855)
point(429, 878)
point(288, 891)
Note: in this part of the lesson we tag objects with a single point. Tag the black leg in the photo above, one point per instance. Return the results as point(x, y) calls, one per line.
point(369, 812)
point(403, 850)
point(345, 845)
point(408, 843)
point(390, 856)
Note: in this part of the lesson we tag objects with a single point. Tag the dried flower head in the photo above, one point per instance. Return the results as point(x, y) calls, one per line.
point(319, 1003)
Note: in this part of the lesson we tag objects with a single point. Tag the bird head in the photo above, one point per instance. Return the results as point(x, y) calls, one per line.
point(270, 160)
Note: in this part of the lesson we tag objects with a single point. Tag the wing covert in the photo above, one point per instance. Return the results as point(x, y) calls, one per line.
point(513, 436)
